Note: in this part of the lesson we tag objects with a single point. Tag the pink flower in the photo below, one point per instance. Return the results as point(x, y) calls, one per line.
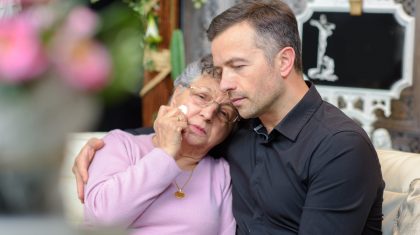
point(84, 64)
point(42, 17)
point(81, 22)
point(30, 3)
point(21, 56)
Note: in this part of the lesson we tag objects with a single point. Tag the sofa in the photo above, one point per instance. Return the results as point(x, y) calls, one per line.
point(401, 172)
point(401, 206)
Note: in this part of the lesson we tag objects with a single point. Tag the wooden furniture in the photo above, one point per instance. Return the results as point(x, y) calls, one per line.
point(160, 94)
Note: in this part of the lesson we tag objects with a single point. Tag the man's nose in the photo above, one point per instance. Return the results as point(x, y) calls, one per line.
point(227, 82)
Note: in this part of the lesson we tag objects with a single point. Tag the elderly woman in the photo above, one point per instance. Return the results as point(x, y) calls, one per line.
point(165, 183)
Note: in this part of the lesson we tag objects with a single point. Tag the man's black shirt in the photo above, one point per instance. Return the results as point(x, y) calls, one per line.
point(315, 173)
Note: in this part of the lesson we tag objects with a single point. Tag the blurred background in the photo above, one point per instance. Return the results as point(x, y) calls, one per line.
point(93, 66)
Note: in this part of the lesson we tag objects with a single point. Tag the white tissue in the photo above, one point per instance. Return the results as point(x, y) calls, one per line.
point(183, 108)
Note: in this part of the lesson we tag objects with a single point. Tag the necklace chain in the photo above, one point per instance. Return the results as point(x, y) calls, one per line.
point(180, 193)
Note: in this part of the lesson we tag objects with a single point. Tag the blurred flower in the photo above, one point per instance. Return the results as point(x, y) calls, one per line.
point(21, 56)
point(84, 63)
point(53, 40)
point(51, 71)
point(81, 22)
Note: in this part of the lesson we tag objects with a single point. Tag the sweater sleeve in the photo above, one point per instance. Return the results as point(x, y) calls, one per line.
point(228, 223)
point(121, 185)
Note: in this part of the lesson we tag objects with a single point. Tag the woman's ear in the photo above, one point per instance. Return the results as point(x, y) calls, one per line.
point(177, 92)
point(285, 60)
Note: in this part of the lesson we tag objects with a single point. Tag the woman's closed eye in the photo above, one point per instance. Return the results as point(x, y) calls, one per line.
point(203, 96)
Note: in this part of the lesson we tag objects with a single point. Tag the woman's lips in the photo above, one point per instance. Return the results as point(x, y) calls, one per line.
point(198, 130)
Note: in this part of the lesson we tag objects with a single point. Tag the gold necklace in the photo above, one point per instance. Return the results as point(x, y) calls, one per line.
point(180, 193)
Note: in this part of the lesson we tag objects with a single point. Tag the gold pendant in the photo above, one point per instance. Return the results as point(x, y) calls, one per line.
point(179, 194)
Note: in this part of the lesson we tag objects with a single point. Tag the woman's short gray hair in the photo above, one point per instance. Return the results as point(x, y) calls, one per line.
point(196, 69)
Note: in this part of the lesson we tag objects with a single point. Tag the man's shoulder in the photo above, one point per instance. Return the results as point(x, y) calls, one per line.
point(330, 132)
point(339, 135)
point(336, 121)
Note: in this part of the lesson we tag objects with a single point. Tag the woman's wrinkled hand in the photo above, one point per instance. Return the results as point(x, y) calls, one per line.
point(169, 125)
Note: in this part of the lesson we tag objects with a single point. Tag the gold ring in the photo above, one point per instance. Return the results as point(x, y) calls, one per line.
point(178, 118)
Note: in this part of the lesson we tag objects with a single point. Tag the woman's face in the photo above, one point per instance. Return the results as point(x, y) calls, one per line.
point(209, 110)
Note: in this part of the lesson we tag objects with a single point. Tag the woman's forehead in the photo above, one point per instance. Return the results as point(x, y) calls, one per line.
point(206, 81)
point(211, 85)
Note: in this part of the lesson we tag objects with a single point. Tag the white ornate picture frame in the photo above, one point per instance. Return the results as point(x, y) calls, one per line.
point(357, 102)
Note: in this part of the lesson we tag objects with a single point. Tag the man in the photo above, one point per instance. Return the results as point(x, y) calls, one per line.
point(298, 164)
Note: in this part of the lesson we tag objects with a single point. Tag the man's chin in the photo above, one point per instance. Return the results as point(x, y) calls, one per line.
point(246, 114)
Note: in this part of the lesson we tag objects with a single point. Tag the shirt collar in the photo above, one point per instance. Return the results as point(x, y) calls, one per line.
point(295, 120)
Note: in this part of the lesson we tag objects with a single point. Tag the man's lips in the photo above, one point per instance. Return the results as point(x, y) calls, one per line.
point(236, 101)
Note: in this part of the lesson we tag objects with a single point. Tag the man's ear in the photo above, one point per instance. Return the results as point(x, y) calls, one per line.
point(285, 59)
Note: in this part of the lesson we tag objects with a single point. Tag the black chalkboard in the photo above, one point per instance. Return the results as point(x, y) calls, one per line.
point(366, 51)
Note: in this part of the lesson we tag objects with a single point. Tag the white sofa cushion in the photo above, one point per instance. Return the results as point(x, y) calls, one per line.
point(73, 208)
point(408, 218)
point(399, 169)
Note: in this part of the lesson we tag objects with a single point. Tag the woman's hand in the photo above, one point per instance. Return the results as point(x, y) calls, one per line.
point(169, 125)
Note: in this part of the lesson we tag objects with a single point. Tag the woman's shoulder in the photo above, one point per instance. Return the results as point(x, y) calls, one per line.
point(218, 170)
point(132, 143)
point(216, 160)
point(118, 133)
point(218, 164)
point(124, 136)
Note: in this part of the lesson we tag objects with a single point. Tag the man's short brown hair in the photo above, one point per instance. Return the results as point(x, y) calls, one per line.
point(274, 23)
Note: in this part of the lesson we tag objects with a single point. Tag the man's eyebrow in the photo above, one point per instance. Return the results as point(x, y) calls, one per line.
point(234, 60)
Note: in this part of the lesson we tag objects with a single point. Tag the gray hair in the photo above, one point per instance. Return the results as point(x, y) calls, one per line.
point(204, 66)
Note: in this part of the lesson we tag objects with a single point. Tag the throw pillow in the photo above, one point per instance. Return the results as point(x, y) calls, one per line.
point(408, 217)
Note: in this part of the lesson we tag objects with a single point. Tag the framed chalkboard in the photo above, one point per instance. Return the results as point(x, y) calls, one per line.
point(358, 63)
point(355, 51)
point(370, 51)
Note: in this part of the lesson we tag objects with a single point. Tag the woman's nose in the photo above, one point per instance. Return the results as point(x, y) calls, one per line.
point(210, 110)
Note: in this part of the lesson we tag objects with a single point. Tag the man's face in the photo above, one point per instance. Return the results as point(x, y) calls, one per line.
point(250, 79)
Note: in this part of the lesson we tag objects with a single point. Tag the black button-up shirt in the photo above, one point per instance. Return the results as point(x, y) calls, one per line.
point(315, 173)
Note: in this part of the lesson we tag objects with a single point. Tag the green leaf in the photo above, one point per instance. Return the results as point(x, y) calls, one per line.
point(121, 33)
point(177, 53)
